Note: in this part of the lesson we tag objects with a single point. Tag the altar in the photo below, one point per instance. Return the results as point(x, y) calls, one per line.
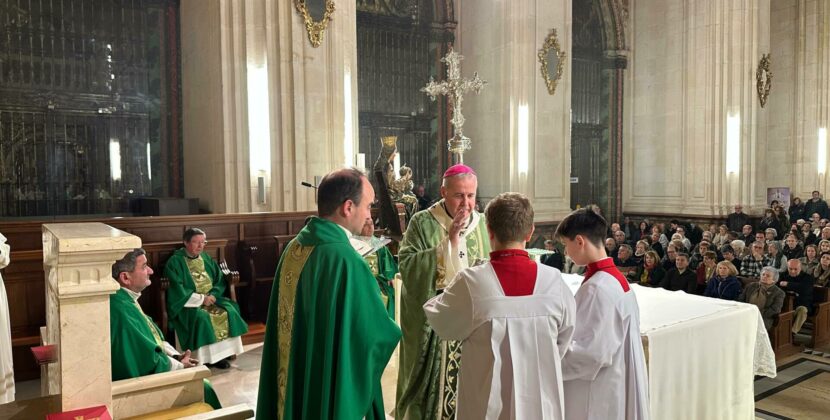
point(702, 353)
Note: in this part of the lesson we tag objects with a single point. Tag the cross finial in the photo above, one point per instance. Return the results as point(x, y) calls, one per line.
point(454, 88)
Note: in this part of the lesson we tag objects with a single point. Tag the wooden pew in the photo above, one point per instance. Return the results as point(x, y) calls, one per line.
point(821, 318)
point(781, 335)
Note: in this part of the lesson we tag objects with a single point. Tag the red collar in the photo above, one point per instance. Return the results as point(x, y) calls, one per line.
point(505, 253)
point(606, 265)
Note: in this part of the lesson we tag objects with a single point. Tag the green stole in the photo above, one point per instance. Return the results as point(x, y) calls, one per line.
point(328, 337)
point(429, 366)
point(384, 268)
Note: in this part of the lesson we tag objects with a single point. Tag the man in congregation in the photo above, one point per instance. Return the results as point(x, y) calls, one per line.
point(737, 220)
point(136, 346)
point(817, 205)
point(680, 277)
point(747, 235)
point(200, 314)
point(439, 242)
point(515, 318)
point(797, 281)
point(328, 337)
point(752, 264)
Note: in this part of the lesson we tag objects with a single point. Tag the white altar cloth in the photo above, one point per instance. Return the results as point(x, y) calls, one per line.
point(702, 353)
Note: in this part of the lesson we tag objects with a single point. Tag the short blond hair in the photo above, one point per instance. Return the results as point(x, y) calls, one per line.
point(732, 270)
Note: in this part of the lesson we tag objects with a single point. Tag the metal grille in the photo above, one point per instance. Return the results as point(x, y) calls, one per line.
point(84, 89)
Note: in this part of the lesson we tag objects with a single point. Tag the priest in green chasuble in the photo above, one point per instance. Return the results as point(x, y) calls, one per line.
point(439, 242)
point(136, 346)
point(328, 337)
point(200, 314)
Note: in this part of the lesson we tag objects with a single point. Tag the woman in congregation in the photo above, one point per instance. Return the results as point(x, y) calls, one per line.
point(783, 220)
point(722, 237)
point(650, 273)
point(706, 270)
point(769, 221)
point(822, 271)
point(643, 231)
point(792, 249)
point(740, 248)
point(823, 246)
point(810, 259)
point(725, 284)
point(779, 260)
point(797, 210)
point(640, 249)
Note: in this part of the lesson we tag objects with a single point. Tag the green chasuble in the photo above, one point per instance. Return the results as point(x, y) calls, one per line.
point(197, 327)
point(328, 337)
point(136, 344)
point(384, 268)
point(428, 370)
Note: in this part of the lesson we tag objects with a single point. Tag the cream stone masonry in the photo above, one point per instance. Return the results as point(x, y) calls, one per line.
point(307, 100)
point(77, 260)
point(500, 41)
point(692, 64)
point(800, 101)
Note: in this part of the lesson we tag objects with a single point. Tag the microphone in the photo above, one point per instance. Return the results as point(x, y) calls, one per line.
point(306, 184)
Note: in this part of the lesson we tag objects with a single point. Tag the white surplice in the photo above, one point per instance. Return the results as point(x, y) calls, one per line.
point(512, 345)
point(6, 365)
point(605, 369)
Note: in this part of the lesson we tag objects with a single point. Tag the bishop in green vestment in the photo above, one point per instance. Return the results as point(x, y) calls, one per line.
point(328, 337)
point(137, 348)
point(200, 314)
point(439, 242)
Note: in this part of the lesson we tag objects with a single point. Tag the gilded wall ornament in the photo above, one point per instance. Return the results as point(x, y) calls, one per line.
point(552, 59)
point(763, 79)
point(316, 14)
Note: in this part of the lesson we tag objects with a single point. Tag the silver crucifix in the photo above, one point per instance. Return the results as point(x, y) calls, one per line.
point(454, 88)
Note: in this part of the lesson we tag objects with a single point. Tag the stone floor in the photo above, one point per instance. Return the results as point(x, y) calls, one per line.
point(801, 390)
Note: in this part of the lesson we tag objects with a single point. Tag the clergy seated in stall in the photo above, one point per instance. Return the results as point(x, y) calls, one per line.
point(706, 270)
point(681, 277)
point(328, 337)
point(383, 267)
point(137, 348)
point(724, 284)
point(650, 273)
point(439, 242)
point(752, 264)
point(515, 319)
point(764, 294)
point(200, 314)
point(801, 283)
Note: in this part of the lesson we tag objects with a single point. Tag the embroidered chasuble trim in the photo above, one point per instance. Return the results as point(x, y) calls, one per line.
point(292, 267)
point(201, 279)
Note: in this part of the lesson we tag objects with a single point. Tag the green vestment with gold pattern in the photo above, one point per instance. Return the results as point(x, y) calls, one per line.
point(197, 327)
point(328, 337)
point(429, 366)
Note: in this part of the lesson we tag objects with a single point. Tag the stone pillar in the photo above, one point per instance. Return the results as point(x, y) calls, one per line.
point(312, 101)
point(77, 260)
point(692, 64)
point(504, 54)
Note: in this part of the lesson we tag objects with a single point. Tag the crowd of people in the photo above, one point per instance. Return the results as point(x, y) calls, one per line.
point(786, 251)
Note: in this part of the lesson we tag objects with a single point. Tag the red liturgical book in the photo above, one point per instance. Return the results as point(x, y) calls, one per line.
point(44, 354)
point(92, 413)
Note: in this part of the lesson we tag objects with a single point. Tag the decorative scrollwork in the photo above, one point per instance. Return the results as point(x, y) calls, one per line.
point(551, 45)
point(763, 79)
point(314, 28)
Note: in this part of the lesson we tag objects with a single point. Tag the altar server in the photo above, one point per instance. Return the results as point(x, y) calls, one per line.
point(604, 369)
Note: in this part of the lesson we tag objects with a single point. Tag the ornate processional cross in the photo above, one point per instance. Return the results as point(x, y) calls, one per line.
point(454, 88)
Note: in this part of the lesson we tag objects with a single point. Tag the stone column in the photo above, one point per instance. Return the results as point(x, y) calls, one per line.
point(500, 40)
point(77, 260)
point(692, 64)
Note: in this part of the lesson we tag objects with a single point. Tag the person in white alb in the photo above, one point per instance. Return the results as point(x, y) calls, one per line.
point(604, 370)
point(515, 319)
point(6, 362)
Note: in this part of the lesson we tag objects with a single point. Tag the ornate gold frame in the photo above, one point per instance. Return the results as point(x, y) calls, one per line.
point(315, 29)
point(551, 41)
point(763, 79)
